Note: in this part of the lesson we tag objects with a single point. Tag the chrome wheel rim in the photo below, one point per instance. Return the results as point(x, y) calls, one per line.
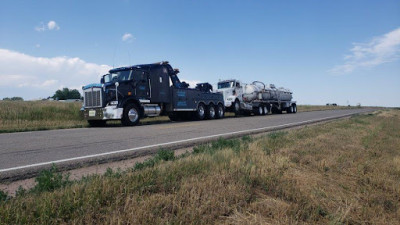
point(260, 110)
point(201, 111)
point(265, 110)
point(133, 115)
point(212, 112)
point(220, 111)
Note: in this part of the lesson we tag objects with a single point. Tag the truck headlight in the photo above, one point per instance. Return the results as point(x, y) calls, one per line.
point(113, 103)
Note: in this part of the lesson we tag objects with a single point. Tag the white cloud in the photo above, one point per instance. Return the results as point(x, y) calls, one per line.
point(379, 50)
point(32, 77)
point(40, 28)
point(127, 37)
point(192, 83)
point(51, 25)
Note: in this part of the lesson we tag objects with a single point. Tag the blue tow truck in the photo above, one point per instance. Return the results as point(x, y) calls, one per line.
point(131, 93)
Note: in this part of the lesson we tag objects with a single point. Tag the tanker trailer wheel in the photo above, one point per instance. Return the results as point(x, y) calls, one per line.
point(211, 112)
point(294, 108)
point(200, 113)
point(220, 111)
point(265, 111)
point(259, 110)
point(97, 123)
point(289, 109)
point(131, 115)
point(236, 107)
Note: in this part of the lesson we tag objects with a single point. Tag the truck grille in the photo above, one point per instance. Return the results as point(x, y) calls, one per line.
point(93, 98)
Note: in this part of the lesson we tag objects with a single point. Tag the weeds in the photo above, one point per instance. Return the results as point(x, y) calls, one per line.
point(49, 180)
point(3, 196)
point(162, 155)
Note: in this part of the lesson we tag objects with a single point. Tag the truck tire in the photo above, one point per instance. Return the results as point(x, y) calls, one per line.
point(131, 115)
point(265, 111)
point(236, 107)
point(200, 113)
point(211, 112)
point(289, 109)
point(220, 111)
point(97, 123)
point(294, 108)
point(260, 110)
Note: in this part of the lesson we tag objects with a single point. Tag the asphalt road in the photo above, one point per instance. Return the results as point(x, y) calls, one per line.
point(29, 150)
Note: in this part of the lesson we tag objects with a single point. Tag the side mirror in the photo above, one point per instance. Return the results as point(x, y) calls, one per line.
point(102, 80)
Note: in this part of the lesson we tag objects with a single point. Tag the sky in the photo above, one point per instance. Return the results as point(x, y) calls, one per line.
point(344, 51)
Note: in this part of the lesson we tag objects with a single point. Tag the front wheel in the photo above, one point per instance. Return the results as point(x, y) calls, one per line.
point(131, 115)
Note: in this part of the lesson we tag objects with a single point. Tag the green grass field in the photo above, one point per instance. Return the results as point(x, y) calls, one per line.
point(17, 116)
point(341, 172)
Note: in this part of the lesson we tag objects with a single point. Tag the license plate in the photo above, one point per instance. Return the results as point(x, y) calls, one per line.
point(92, 113)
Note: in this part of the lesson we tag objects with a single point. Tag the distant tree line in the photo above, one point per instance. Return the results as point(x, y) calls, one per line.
point(62, 94)
point(13, 99)
point(66, 93)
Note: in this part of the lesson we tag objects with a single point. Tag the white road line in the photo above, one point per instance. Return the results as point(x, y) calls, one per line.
point(167, 143)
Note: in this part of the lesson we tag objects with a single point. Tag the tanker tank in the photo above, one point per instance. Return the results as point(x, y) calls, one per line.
point(275, 94)
point(251, 92)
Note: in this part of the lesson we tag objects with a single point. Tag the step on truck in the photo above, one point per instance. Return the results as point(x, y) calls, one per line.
point(255, 98)
point(131, 93)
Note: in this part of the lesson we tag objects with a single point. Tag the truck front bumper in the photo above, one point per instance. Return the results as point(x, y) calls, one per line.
point(106, 113)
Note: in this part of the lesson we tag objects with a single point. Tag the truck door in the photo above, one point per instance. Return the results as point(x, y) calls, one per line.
point(159, 82)
point(141, 84)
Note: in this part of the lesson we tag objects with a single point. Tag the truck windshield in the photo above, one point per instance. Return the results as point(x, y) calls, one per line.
point(227, 84)
point(118, 76)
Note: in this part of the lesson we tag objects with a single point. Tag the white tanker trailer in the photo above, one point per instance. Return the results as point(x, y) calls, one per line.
point(255, 98)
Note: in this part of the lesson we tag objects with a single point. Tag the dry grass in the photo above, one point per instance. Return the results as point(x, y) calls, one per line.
point(18, 116)
point(307, 108)
point(343, 172)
